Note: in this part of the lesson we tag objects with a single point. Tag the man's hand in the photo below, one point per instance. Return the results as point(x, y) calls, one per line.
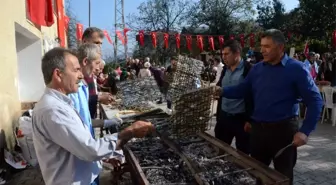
point(105, 98)
point(115, 163)
point(300, 139)
point(218, 92)
point(247, 127)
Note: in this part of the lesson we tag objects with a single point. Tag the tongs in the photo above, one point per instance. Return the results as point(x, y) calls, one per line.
point(283, 149)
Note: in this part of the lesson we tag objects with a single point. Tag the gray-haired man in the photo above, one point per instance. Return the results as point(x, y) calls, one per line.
point(65, 149)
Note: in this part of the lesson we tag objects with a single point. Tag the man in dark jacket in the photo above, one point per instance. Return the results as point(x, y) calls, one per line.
point(233, 114)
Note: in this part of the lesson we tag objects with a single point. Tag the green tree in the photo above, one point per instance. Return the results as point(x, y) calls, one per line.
point(271, 14)
point(71, 31)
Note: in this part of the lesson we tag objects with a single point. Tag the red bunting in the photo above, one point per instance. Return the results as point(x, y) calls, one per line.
point(242, 42)
point(252, 41)
point(178, 40)
point(166, 39)
point(120, 37)
point(200, 42)
point(232, 37)
point(108, 37)
point(79, 31)
point(142, 37)
point(289, 35)
point(306, 50)
point(154, 41)
point(125, 34)
point(189, 41)
point(334, 38)
point(221, 41)
point(211, 43)
point(41, 12)
point(66, 22)
point(60, 22)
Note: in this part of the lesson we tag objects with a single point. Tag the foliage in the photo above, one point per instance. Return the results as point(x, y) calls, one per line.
point(71, 31)
point(271, 14)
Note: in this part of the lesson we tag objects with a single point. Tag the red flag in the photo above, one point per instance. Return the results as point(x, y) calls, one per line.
point(120, 37)
point(154, 41)
point(66, 22)
point(189, 42)
point(166, 39)
point(200, 42)
point(221, 41)
point(79, 31)
point(60, 22)
point(242, 41)
point(252, 40)
point(108, 37)
point(232, 37)
point(306, 50)
point(142, 37)
point(125, 34)
point(334, 38)
point(41, 12)
point(178, 40)
point(211, 42)
point(289, 35)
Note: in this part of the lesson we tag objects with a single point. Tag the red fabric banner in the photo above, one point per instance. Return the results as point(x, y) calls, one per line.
point(166, 39)
point(306, 50)
point(189, 42)
point(41, 12)
point(142, 37)
point(178, 40)
point(79, 31)
point(108, 37)
point(242, 41)
point(334, 38)
point(252, 40)
point(211, 43)
point(60, 22)
point(154, 41)
point(232, 37)
point(221, 41)
point(66, 22)
point(125, 34)
point(120, 37)
point(200, 42)
point(289, 35)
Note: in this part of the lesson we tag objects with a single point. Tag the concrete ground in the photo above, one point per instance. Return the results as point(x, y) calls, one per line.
point(316, 162)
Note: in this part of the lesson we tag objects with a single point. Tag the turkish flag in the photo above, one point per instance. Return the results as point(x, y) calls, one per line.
point(242, 41)
point(252, 40)
point(306, 50)
point(79, 31)
point(66, 22)
point(200, 42)
point(221, 41)
point(189, 41)
point(41, 12)
point(125, 34)
point(178, 40)
point(60, 22)
point(120, 36)
point(142, 37)
point(154, 41)
point(334, 38)
point(108, 37)
point(211, 42)
point(166, 39)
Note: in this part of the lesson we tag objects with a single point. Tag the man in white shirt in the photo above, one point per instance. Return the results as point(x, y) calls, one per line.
point(219, 65)
point(66, 151)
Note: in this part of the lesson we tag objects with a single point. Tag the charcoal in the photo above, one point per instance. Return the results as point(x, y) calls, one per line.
point(160, 164)
point(220, 172)
point(202, 150)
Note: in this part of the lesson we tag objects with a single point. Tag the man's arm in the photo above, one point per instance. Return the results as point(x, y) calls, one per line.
point(72, 136)
point(238, 91)
point(311, 97)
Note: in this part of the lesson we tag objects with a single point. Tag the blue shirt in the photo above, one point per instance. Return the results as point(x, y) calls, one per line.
point(276, 89)
point(233, 106)
point(80, 101)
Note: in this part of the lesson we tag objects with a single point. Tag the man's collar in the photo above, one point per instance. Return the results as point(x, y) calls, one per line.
point(284, 59)
point(241, 64)
point(58, 95)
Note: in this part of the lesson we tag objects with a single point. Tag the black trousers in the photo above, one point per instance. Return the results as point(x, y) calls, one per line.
point(93, 101)
point(268, 138)
point(232, 126)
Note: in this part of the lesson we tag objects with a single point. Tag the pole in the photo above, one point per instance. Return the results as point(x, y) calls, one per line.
point(89, 13)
